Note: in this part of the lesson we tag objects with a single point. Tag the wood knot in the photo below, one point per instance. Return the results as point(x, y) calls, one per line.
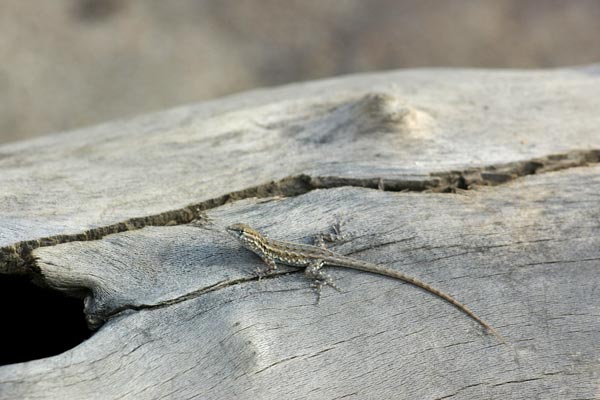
point(383, 112)
point(370, 114)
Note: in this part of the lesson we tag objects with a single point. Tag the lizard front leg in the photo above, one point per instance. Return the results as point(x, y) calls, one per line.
point(271, 266)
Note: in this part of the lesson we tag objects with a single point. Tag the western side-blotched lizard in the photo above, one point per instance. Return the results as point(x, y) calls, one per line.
point(312, 258)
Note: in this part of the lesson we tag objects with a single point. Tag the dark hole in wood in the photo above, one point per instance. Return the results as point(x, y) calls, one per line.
point(36, 322)
point(462, 183)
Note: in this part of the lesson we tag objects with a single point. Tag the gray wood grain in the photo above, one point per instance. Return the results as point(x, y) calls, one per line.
point(181, 313)
point(193, 321)
point(402, 128)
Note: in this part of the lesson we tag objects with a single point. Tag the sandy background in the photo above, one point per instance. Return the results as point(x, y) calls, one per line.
point(72, 63)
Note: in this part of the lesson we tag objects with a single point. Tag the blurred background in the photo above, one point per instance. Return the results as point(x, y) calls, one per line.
point(71, 63)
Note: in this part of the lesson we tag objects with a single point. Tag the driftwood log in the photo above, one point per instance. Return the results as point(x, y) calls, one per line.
point(486, 184)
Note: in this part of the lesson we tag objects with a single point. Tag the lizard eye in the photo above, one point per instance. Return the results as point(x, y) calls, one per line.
point(238, 231)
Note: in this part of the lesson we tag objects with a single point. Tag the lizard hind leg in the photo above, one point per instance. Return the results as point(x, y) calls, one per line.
point(319, 277)
point(335, 234)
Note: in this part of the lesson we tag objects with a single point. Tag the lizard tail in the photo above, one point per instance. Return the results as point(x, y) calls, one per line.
point(374, 268)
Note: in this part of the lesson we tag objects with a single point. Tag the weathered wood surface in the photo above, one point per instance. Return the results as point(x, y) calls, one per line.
point(408, 128)
point(181, 312)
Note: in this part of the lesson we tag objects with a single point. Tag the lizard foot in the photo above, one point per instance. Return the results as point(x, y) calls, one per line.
point(319, 279)
point(317, 286)
point(335, 234)
point(263, 272)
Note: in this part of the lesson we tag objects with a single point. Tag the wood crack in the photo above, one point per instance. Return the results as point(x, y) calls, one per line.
point(100, 319)
point(18, 259)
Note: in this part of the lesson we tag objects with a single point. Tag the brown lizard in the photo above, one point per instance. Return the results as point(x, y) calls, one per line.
point(312, 258)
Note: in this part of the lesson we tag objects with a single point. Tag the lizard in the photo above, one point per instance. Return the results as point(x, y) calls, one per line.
point(313, 258)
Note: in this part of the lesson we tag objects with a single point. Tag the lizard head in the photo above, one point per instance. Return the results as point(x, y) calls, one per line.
point(244, 233)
